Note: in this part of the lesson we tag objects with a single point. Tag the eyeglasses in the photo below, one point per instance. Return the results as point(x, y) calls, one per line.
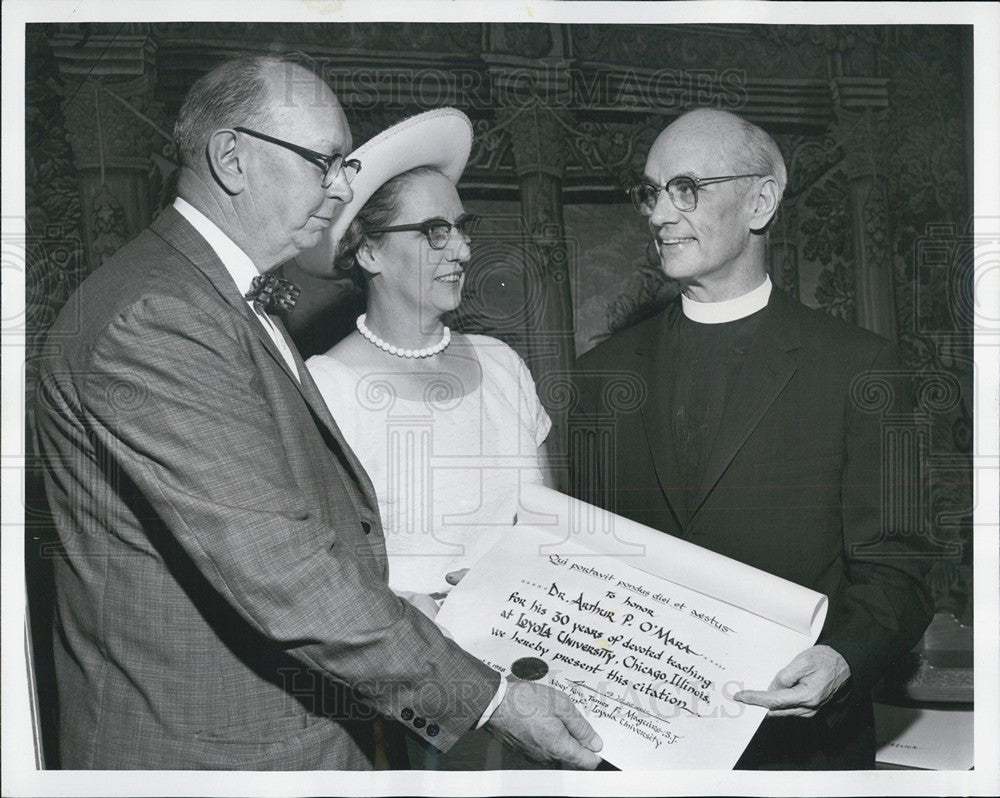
point(683, 191)
point(331, 165)
point(437, 231)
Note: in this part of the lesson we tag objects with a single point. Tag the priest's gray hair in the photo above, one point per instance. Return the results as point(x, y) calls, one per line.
point(760, 155)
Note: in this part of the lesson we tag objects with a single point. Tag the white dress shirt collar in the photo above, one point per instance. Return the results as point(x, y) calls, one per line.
point(236, 261)
point(729, 309)
point(240, 268)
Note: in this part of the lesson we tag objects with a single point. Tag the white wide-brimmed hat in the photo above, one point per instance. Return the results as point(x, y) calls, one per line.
point(441, 139)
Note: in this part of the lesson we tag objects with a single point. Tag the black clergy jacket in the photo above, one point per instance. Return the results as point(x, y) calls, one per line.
point(797, 483)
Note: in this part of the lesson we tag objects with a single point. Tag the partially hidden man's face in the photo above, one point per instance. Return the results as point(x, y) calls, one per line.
point(707, 247)
point(291, 206)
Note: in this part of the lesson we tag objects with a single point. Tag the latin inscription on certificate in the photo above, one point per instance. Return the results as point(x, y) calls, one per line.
point(651, 663)
point(648, 672)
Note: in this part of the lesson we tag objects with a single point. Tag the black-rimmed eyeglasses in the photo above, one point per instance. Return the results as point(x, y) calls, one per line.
point(437, 231)
point(331, 165)
point(683, 191)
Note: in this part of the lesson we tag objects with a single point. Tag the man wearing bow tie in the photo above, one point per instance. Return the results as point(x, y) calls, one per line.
point(221, 592)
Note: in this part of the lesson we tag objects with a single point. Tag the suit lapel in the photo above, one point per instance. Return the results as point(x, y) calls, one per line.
point(178, 232)
point(765, 372)
point(310, 392)
point(656, 368)
point(268, 343)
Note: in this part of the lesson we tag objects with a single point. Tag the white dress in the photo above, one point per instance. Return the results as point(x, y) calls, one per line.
point(446, 467)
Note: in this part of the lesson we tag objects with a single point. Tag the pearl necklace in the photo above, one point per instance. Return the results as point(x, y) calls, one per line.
point(440, 346)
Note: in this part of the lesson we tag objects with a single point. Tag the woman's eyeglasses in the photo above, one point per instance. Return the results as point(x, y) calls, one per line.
point(437, 231)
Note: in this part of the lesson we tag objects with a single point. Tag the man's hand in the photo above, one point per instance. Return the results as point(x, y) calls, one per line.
point(422, 601)
point(803, 686)
point(545, 725)
point(455, 577)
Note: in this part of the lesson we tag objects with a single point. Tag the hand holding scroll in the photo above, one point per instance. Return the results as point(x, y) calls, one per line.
point(422, 601)
point(546, 725)
point(455, 576)
point(803, 686)
point(425, 602)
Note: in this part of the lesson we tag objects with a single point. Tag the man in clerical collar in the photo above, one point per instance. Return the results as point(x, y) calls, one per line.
point(746, 440)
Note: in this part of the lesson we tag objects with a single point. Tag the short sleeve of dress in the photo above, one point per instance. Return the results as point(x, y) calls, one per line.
point(508, 375)
point(531, 404)
point(511, 377)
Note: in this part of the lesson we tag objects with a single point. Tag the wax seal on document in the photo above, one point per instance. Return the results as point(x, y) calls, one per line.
point(530, 669)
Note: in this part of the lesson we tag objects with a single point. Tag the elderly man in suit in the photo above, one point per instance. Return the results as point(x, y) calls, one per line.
point(748, 443)
point(221, 594)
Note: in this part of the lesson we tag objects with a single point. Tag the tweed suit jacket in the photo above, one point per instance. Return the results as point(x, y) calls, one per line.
point(793, 486)
point(221, 595)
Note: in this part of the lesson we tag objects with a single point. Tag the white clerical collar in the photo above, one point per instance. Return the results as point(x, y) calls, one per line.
point(236, 261)
point(729, 309)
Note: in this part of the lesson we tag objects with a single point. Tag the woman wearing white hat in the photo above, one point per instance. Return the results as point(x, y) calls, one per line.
point(446, 425)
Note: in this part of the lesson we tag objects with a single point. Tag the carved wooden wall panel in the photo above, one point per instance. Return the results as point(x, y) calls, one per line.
point(873, 122)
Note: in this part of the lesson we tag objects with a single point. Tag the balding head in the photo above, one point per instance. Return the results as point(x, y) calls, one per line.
point(733, 145)
point(716, 181)
point(245, 91)
point(256, 137)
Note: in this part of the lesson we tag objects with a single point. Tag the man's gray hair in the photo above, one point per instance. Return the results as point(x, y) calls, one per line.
point(760, 155)
point(233, 93)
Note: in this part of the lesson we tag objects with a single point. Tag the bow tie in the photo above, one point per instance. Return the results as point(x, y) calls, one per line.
point(270, 294)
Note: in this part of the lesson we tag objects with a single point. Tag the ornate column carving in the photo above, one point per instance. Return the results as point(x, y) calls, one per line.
point(861, 118)
point(53, 255)
point(533, 94)
point(540, 160)
point(115, 131)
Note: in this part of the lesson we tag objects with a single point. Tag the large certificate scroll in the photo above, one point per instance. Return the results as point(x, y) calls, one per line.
point(648, 634)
